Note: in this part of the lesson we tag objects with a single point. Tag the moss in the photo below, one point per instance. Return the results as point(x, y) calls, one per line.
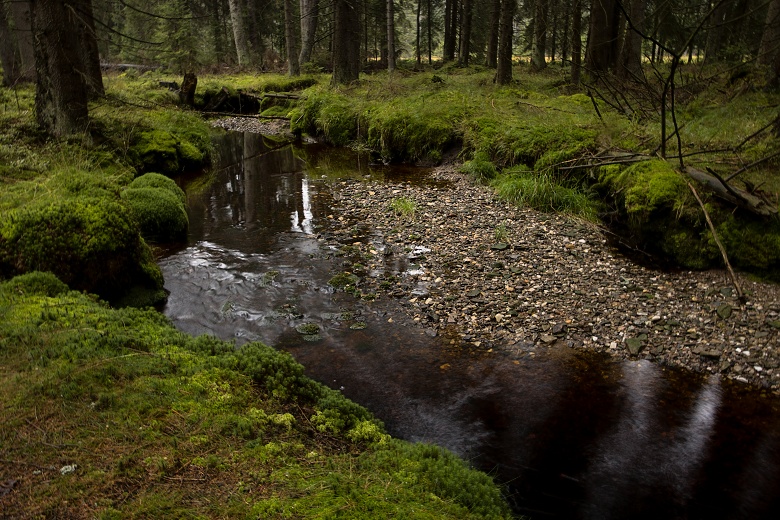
point(752, 244)
point(89, 244)
point(157, 150)
point(156, 180)
point(480, 167)
point(35, 283)
point(647, 186)
point(687, 246)
point(160, 215)
point(343, 281)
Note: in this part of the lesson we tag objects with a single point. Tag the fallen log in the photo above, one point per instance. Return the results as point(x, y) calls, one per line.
point(736, 196)
point(251, 116)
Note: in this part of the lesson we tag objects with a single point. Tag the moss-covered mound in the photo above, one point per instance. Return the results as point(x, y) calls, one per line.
point(91, 244)
point(151, 423)
point(163, 151)
point(160, 215)
point(156, 180)
point(662, 216)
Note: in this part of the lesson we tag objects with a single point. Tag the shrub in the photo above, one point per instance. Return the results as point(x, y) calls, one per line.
point(159, 213)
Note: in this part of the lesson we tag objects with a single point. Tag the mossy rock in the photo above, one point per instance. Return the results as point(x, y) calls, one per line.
point(752, 244)
point(90, 244)
point(160, 214)
point(647, 186)
point(157, 180)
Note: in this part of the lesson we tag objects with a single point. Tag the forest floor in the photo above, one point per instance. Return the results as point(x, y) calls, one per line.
point(495, 276)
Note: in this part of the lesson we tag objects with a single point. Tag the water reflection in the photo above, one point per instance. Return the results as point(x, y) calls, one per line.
point(572, 434)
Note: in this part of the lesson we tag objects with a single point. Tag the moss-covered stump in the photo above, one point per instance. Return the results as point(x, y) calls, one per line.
point(158, 206)
point(91, 244)
point(660, 213)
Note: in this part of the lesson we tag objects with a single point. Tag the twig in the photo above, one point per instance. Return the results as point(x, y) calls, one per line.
point(734, 280)
point(751, 165)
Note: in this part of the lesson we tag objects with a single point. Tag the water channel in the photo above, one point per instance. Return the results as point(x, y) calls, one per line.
point(571, 434)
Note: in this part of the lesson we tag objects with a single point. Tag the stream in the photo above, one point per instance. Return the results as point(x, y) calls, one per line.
point(571, 434)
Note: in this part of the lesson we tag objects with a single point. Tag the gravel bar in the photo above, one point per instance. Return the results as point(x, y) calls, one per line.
point(495, 277)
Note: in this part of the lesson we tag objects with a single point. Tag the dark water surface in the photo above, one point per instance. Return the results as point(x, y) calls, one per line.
point(572, 434)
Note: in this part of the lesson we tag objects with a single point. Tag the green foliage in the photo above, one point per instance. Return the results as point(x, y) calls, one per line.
point(160, 215)
point(481, 168)
point(403, 206)
point(156, 180)
point(542, 191)
point(344, 281)
point(90, 244)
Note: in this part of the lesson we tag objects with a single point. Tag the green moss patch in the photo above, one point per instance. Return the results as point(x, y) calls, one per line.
point(156, 180)
point(160, 215)
point(91, 244)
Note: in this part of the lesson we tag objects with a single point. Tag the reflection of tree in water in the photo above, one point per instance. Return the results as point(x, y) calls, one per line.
point(261, 188)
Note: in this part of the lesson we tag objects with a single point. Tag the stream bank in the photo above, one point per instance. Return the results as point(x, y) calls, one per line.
point(553, 280)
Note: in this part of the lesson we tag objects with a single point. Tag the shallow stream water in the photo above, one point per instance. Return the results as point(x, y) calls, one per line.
point(571, 434)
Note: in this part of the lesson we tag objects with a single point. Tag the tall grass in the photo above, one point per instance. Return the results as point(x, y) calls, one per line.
point(543, 192)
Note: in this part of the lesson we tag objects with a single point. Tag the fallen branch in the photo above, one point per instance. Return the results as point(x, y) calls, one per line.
point(736, 196)
point(734, 280)
point(251, 116)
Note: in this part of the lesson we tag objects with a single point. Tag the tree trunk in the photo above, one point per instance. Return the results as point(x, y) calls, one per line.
point(346, 42)
point(390, 36)
point(83, 18)
point(576, 42)
point(715, 34)
point(630, 60)
point(429, 26)
point(504, 61)
point(770, 38)
point(491, 60)
point(419, 33)
point(21, 13)
point(601, 54)
point(238, 21)
point(290, 39)
point(465, 33)
point(61, 93)
point(310, 14)
point(9, 57)
point(450, 29)
point(538, 50)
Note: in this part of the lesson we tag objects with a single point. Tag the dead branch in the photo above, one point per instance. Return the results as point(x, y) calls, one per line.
point(734, 280)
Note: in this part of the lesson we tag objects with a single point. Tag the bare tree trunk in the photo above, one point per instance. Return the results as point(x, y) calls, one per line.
point(290, 39)
point(90, 56)
point(310, 14)
point(9, 57)
point(21, 13)
point(429, 27)
point(770, 38)
point(491, 59)
point(61, 94)
point(390, 36)
point(601, 54)
point(465, 33)
point(238, 21)
point(504, 62)
point(450, 29)
point(630, 60)
point(538, 50)
point(576, 42)
point(346, 42)
point(419, 33)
